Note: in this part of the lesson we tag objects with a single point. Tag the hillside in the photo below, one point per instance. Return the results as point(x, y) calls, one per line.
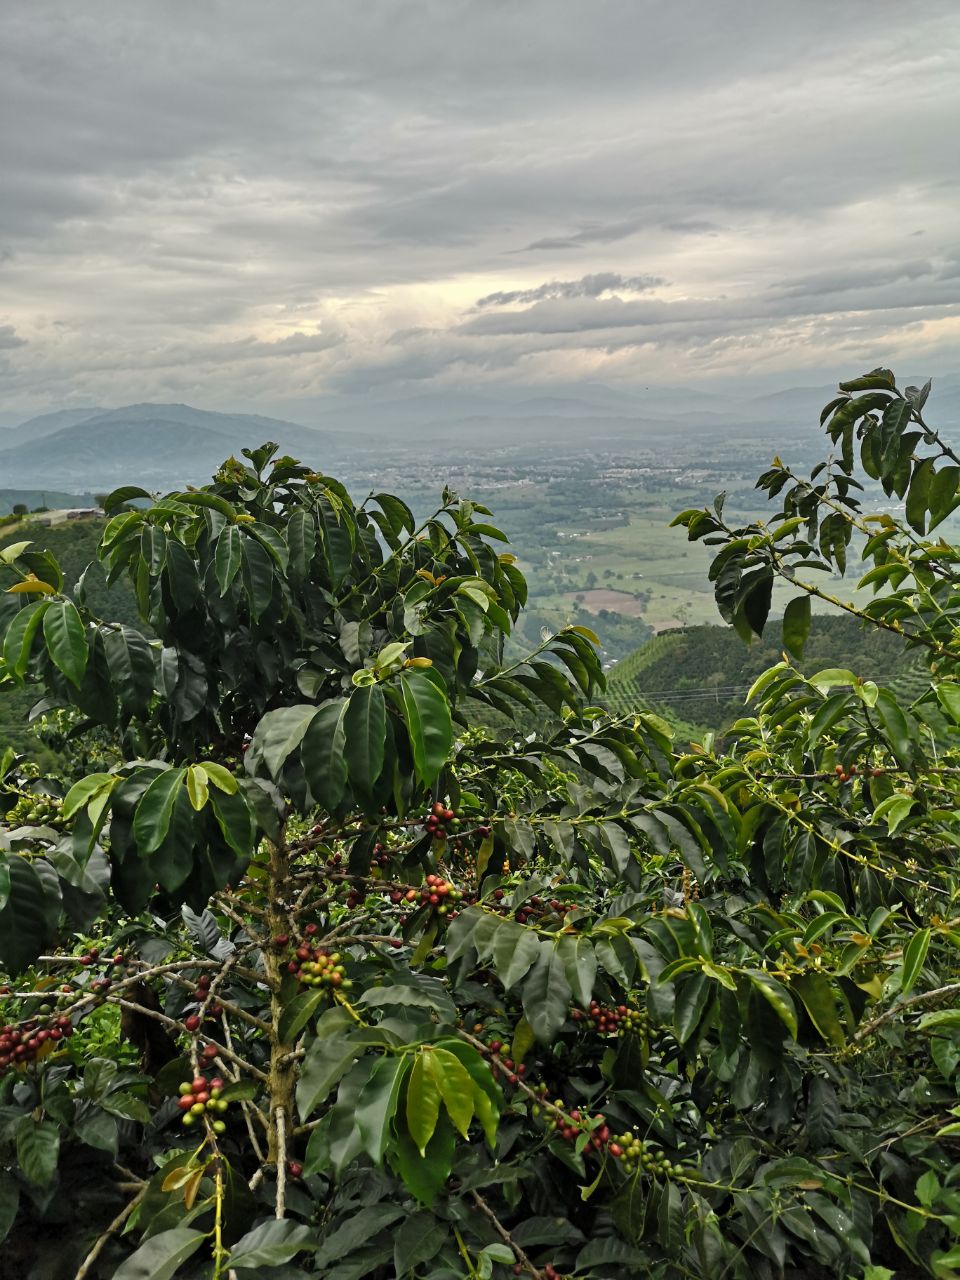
point(160, 444)
point(697, 677)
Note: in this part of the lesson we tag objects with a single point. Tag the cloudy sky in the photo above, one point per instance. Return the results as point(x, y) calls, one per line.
point(239, 204)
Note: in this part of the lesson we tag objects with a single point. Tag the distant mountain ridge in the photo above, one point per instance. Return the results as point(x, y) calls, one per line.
point(155, 444)
point(167, 445)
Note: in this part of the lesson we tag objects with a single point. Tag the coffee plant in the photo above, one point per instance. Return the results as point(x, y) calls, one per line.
point(317, 974)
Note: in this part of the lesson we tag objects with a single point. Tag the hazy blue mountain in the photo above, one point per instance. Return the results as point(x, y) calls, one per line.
point(155, 445)
point(164, 445)
point(46, 424)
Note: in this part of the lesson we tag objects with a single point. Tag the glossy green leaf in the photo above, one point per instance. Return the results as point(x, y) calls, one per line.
point(546, 995)
point(777, 996)
point(152, 820)
point(427, 715)
point(271, 1244)
point(66, 639)
point(914, 956)
point(378, 1103)
point(796, 624)
point(365, 727)
point(279, 733)
point(322, 754)
point(38, 1149)
point(456, 1088)
point(161, 1256)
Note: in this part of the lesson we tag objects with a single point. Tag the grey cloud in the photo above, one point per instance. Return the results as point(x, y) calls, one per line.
point(9, 338)
point(190, 189)
point(591, 286)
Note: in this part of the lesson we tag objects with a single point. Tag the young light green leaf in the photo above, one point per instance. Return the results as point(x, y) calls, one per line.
point(456, 1087)
point(423, 1102)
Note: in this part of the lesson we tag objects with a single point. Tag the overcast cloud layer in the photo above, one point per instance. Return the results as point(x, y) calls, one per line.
point(244, 204)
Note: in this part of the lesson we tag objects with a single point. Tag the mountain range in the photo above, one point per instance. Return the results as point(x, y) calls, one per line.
point(165, 445)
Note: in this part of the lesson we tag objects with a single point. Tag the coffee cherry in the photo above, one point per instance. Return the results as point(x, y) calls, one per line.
point(192, 1023)
point(294, 1168)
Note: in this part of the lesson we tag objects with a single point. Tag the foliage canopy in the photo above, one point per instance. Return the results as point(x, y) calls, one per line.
point(402, 996)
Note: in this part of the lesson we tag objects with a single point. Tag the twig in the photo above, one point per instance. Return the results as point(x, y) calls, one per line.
point(101, 1240)
point(505, 1236)
point(281, 1118)
point(176, 1026)
point(952, 988)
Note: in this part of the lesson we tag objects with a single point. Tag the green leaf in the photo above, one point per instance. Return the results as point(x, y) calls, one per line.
point(949, 698)
point(825, 680)
point(693, 998)
point(234, 818)
point(279, 733)
point(418, 1239)
point(357, 1231)
point(365, 725)
point(546, 995)
point(228, 557)
point(9, 1203)
point(423, 1102)
point(271, 1244)
point(942, 497)
point(580, 966)
point(197, 790)
point(515, 949)
point(816, 995)
point(378, 1103)
point(221, 778)
point(97, 1129)
point(131, 664)
point(917, 495)
point(895, 810)
point(796, 624)
point(161, 1256)
point(896, 726)
point(82, 792)
point(914, 955)
point(28, 916)
point(322, 755)
point(257, 569)
point(456, 1087)
point(329, 1056)
point(425, 1173)
point(18, 641)
point(152, 819)
point(302, 541)
point(126, 493)
point(298, 1013)
point(427, 714)
point(38, 1148)
point(66, 639)
point(777, 996)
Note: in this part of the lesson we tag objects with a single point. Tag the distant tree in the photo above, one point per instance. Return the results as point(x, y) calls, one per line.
point(20, 509)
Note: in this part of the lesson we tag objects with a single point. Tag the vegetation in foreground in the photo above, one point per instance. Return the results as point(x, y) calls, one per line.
point(310, 974)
